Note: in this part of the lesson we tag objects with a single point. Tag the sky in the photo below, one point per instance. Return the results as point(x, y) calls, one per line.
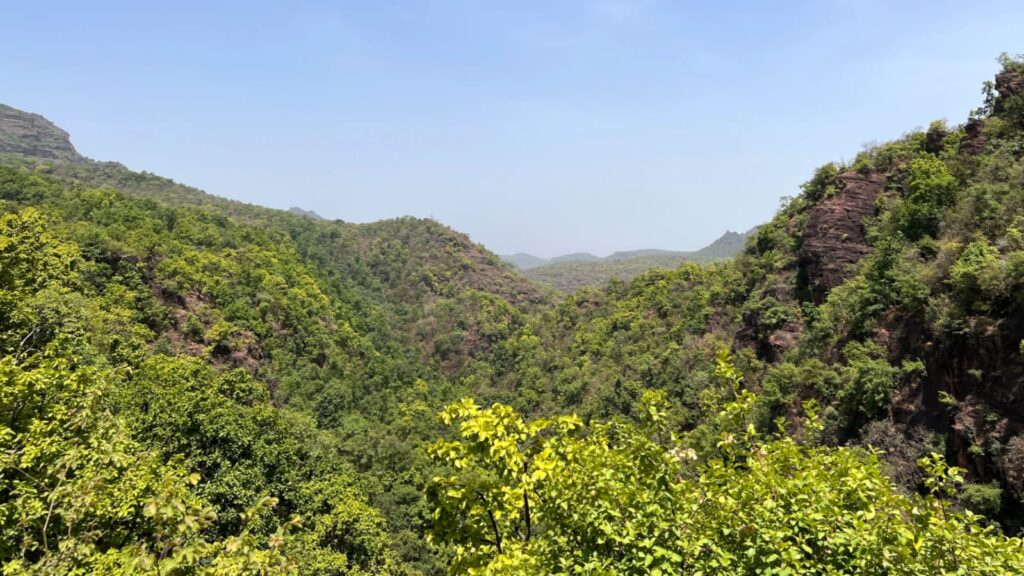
point(547, 126)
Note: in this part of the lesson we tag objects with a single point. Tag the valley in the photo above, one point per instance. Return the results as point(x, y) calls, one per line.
point(196, 385)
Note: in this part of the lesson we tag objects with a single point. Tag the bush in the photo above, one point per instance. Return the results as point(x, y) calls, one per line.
point(868, 382)
point(929, 188)
point(978, 276)
point(984, 499)
point(823, 183)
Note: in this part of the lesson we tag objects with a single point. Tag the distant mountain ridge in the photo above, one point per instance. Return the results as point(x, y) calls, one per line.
point(524, 261)
point(574, 271)
point(726, 246)
point(575, 257)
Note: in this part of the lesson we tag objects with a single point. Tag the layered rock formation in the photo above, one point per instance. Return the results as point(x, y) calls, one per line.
point(32, 135)
point(834, 238)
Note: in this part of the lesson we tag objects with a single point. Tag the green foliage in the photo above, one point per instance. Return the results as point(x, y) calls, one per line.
point(788, 384)
point(342, 533)
point(617, 500)
point(977, 276)
point(928, 190)
point(984, 499)
point(597, 352)
point(224, 427)
point(823, 184)
point(895, 155)
point(88, 490)
point(868, 382)
point(488, 509)
point(79, 493)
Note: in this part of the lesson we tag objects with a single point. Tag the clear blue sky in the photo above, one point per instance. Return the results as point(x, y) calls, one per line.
point(545, 126)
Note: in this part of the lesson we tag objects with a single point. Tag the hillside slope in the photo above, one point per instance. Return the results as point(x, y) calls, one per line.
point(890, 292)
point(328, 328)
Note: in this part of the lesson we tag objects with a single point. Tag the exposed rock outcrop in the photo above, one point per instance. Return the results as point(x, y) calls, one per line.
point(32, 135)
point(1009, 83)
point(834, 238)
point(935, 138)
point(974, 141)
point(307, 213)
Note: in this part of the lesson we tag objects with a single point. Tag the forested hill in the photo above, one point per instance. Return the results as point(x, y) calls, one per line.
point(882, 309)
point(191, 385)
point(198, 315)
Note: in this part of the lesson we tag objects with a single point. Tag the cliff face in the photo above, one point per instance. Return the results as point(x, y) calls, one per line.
point(834, 239)
point(32, 135)
point(917, 257)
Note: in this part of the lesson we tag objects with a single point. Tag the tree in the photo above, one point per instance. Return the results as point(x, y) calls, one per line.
point(77, 495)
point(554, 497)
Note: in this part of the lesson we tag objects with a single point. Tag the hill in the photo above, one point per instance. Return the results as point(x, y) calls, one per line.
point(524, 261)
point(888, 294)
point(575, 257)
point(881, 308)
point(304, 337)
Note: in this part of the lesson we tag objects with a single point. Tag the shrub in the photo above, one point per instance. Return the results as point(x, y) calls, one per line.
point(548, 497)
point(984, 499)
point(978, 276)
point(929, 188)
point(823, 183)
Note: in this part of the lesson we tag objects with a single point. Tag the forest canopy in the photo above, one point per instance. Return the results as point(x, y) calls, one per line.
point(191, 385)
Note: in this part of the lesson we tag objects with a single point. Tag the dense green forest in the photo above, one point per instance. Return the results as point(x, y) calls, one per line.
point(192, 385)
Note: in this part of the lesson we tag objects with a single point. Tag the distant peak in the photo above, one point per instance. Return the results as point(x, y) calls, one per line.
point(524, 261)
point(32, 135)
point(576, 257)
point(306, 213)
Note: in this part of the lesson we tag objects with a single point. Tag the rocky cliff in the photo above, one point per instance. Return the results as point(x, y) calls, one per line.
point(32, 135)
point(834, 239)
